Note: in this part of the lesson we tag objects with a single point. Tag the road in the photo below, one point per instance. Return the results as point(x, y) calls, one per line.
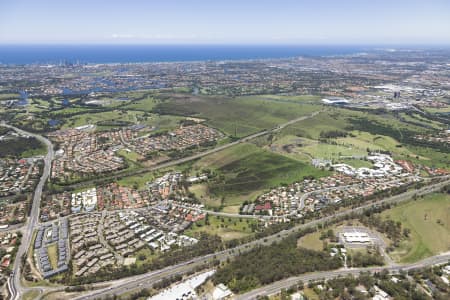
point(130, 283)
point(336, 188)
point(14, 283)
point(276, 287)
point(198, 155)
point(124, 285)
point(15, 286)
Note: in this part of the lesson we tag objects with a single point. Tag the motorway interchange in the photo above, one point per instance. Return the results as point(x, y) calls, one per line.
point(121, 286)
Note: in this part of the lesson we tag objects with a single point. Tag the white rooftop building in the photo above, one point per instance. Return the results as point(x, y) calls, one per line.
point(356, 237)
point(221, 292)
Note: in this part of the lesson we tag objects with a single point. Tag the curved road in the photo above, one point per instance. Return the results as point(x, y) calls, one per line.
point(276, 287)
point(14, 283)
point(201, 154)
point(124, 285)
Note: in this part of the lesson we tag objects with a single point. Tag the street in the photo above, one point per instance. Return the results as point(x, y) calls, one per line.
point(117, 287)
point(15, 286)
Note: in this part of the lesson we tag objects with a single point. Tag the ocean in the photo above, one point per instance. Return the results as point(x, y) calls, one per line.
point(54, 54)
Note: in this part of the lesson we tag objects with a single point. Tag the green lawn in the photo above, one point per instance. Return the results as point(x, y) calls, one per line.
point(146, 104)
point(130, 155)
point(162, 122)
point(322, 150)
point(138, 181)
point(61, 113)
point(226, 228)
point(357, 163)
point(94, 118)
point(245, 171)
point(311, 241)
point(107, 120)
point(53, 255)
point(364, 140)
point(428, 237)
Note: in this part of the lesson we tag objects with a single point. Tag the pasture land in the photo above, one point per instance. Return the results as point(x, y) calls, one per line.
point(236, 116)
point(226, 228)
point(428, 219)
point(245, 171)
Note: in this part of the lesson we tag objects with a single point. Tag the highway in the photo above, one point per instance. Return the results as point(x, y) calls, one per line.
point(130, 283)
point(14, 283)
point(124, 285)
point(276, 287)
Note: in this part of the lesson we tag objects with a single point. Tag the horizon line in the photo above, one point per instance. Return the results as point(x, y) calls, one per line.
point(222, 44)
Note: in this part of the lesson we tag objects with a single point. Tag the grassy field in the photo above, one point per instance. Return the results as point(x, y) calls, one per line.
point(346, 120)
point(226, 228)
point(311, 128)
point(328, 151)
point(94, 118)
point(310, 294)
point(130, 155)
point(145, 255)
point(304, 150)
point(160, 122)
point(53, 255)
point(138, 181)
point(37, 105)
point(438, 110)
point(21, 147)
point(71, 110)
point(311, 241)
point(30, 295)
point(245, 171)
point(360, 139)
point(418, 119)
point(429, 222)
point(31, 152)
point(429, 157)
point(357, 163)
point(146, 104)
point(8, 96)
point(364, 140)
point(298, 98)
point(236, 116)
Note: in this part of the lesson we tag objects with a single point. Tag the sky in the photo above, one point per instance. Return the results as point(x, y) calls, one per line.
point(225, 22)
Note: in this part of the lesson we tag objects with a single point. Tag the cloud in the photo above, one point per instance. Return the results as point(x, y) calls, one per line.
point(122, 36)
point(119, 36)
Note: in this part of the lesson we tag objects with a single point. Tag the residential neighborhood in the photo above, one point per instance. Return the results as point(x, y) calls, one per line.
point(348, 183)
point(18, 176)
point(9, 242)
point(83, 151)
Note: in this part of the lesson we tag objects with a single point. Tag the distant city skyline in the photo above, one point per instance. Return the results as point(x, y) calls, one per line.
point(225, 22)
